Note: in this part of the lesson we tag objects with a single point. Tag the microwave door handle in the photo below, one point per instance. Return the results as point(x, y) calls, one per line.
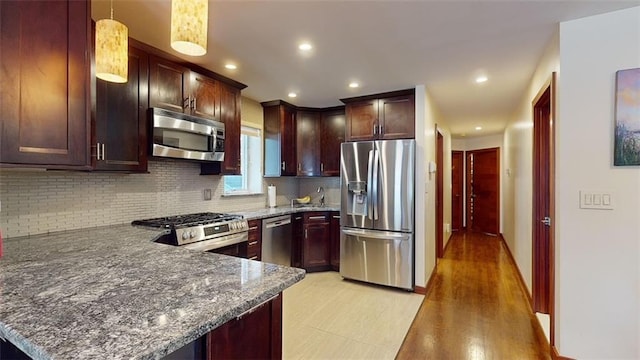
point(165, 122)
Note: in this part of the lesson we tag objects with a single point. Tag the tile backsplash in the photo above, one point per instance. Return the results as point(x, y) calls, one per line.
point(35, 202)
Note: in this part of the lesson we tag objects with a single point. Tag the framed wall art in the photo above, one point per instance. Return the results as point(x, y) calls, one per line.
point(627, 115)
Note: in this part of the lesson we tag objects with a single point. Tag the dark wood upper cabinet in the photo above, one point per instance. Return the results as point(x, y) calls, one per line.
point(308, 143)
point(279, 139)
point(397, 117)
point(332, 132)
point(362, 120)
point(176, 87)
point(381, 116)
point(169, 85)
point(121, 118)
point(206, 97)
point(230, 116)
point(46, 80)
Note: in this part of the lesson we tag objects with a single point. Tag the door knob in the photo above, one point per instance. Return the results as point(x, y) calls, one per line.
point(546, 221)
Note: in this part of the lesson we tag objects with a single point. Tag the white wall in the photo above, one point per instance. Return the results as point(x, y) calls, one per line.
point(476, 143)
point(597, 252)
point(426, 120)
point(517, 164)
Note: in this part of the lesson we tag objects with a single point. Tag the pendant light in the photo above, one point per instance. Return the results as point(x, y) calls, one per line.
point(112, 43)
point(189, 20)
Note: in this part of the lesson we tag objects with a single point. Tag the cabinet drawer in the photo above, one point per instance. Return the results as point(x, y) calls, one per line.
point(316, 217)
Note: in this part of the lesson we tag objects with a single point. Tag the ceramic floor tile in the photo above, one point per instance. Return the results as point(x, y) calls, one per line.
point(326, 317)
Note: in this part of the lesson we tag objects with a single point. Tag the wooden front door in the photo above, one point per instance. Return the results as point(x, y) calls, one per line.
point(543, 200)
point(457, 189)
point(483, 190)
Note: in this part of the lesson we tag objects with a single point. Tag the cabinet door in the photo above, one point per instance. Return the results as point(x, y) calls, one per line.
point(288, 141)
point(168, 85)
point(205, 99)
point(256, 334)
point(316, 241)
point(297, 240)
point(121, 118)
point(254, 247)
point(45, 87)
point(230, 116)
point(335, 241)
point(397, 117)
point(362, 120)
point(308, 143)
point(332, 130)
point(272, 148)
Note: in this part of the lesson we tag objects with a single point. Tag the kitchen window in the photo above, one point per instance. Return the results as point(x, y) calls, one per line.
point(250, 182)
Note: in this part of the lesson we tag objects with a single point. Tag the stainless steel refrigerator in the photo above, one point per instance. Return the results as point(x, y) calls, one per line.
point(377, 212)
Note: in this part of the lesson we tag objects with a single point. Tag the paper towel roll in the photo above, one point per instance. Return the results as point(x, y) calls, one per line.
point(271, 196)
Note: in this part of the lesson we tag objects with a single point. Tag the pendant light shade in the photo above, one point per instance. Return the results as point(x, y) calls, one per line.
point(189, 19)
point(112, 38)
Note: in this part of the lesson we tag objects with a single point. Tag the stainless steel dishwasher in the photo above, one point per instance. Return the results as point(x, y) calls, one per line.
point(276, 240)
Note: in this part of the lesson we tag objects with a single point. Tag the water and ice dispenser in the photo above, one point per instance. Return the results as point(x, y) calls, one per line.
point(357, 201)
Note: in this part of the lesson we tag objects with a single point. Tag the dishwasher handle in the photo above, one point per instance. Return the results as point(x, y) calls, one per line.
point(272, 223)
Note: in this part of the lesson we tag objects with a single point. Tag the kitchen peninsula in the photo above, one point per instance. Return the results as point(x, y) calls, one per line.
point(111, 292)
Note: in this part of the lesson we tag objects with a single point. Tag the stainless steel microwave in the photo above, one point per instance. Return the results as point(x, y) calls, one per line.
point(183, 136)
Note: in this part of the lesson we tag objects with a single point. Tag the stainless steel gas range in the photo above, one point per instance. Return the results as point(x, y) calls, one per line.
point(215, 232)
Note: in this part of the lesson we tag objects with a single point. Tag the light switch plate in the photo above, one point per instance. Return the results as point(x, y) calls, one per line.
point(596, 199)
point(207, 194)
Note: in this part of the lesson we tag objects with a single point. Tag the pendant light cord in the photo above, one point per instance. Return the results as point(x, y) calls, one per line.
point(111, 9)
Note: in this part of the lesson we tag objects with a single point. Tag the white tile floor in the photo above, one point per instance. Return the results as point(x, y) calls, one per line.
point(325, 317)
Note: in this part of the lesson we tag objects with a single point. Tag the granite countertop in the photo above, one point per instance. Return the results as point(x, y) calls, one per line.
point(283, 210)
point(110, 292)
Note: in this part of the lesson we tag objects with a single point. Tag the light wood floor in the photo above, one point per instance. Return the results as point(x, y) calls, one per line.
point(476, 308)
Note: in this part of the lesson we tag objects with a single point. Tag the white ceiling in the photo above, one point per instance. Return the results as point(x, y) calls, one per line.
point(384, 45)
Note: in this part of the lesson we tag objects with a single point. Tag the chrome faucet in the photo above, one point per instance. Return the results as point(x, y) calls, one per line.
point(321, 189)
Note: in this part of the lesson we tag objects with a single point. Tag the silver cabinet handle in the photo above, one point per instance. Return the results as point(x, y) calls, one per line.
point(336, 216)
point(186, 102)
point(374, 129)
point(97, 151)
point(299, 166)
point(253, 228)
point(317, 217)
point(253, 258)
point(103, 152)
point(253, 243)
point(322, 167)
point(381, 129)
point(195, 103)
point(282, 165)
point(306, 233)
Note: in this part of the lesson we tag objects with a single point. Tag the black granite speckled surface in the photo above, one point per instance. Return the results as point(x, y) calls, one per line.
point(110, 292)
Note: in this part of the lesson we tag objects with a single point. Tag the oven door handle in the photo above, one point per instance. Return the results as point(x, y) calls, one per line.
point(166, 122)
point(212, 244)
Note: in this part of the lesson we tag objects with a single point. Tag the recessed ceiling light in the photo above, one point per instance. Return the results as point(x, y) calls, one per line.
point(354, 85)
point(292, 94)
point(305, 46)
point(231, 66)
point(481, 79)
point(478, 127)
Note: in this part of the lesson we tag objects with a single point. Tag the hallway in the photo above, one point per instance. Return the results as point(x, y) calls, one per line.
point(476, 308)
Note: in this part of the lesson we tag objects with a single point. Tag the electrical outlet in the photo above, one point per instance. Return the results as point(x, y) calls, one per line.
point(207, 194)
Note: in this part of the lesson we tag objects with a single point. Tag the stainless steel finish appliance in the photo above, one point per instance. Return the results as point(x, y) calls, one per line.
point(186, 137)
point(201, 231)
point(377, 212)
point(276, 240)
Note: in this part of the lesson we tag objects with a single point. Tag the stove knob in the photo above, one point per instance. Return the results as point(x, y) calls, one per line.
point(185, 235)
point(192, 234)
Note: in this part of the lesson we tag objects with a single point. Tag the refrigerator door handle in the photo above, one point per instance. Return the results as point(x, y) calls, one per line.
point(376, 235)
point(374, 195)
point(370, 185)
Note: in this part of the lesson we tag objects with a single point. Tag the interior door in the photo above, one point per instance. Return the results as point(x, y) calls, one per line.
point(483, 191)
point(439, 195)
point(457, 189)
point(543, 174)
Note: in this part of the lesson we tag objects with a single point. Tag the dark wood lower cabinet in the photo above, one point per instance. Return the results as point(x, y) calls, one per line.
point(335, 240)
point(315, 254)
point(254, 248)
point(256, 334)
point(297, 234)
